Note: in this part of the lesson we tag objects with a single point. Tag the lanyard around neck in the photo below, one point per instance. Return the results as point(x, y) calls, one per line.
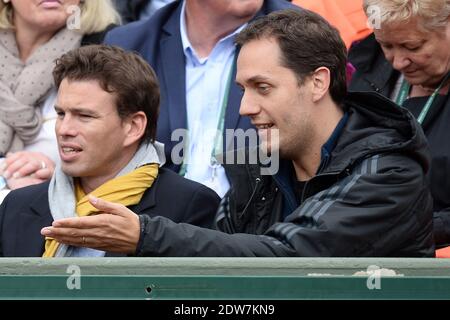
point(218, 139)
point(404, 91)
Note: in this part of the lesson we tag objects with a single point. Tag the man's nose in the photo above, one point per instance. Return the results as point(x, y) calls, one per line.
point(248, 106)
point(65, 126)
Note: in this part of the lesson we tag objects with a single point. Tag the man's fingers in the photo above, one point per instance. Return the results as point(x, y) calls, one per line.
point(65, 231)
point(72, 236)
point(60, 232)
point(64, 235)
point(108, 207)
point(78, 222)
point(67, 223)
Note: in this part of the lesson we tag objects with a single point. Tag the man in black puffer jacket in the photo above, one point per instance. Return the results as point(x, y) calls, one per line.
point(351, 181)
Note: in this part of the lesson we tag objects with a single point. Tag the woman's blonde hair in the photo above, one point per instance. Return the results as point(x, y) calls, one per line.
point(96, 15)
point(432, 13)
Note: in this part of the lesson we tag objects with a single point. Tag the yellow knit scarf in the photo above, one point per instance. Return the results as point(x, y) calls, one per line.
point(127, 190)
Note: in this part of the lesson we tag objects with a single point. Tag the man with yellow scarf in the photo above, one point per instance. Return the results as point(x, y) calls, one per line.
point(107, 109)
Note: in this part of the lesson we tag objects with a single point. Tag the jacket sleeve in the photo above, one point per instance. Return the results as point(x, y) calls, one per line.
point(441, 222)
point(382, 206)
point(162, 237)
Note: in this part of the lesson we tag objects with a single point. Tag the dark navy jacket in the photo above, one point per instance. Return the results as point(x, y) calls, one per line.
point(24, 212)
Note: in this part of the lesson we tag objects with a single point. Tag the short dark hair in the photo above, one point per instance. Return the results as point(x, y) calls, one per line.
point(125, 74)
point(307, 42)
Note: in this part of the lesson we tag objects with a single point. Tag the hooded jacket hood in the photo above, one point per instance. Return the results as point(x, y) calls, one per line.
point(377, 125)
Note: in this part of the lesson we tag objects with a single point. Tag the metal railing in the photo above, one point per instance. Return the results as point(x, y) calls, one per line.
point(224, 278)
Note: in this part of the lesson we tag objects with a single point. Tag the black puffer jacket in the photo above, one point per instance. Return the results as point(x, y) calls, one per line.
point(370, 199)
point(375, 73)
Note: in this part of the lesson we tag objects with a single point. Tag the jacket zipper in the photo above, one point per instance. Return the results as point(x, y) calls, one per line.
point(257, 181)
point(228, 214)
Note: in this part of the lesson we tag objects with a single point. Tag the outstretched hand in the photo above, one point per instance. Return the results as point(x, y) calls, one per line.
point(115, 228)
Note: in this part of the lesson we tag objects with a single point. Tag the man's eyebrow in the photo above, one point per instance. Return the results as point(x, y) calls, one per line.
point(254, 79)
point(79, 110)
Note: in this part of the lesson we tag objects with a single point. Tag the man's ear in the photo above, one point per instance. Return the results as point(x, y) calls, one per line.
point(321, 79)
point(134, 126)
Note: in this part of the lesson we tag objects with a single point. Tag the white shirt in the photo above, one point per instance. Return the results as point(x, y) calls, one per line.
point(206, 84)
point(45, 141)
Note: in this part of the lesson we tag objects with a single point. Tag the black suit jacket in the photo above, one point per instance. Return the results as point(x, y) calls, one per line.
point(24, 212)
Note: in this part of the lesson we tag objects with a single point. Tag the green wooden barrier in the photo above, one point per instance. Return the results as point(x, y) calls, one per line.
point(224, 278)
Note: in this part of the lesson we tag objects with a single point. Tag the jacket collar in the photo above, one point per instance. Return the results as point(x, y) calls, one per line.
point(39, 205)
point(149, 198)
point(173, 71)
point(377, 125)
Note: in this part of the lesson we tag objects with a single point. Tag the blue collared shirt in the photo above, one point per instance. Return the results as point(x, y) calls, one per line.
point(206, 83)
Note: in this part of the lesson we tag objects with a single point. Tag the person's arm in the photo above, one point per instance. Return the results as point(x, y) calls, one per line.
point(382, 208)
point(117, 229)
point(162, 237)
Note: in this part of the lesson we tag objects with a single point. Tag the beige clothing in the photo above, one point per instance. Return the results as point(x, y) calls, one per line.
point(23, 86)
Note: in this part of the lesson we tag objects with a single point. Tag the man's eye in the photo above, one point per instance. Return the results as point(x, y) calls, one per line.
point(60, 114)
point(85, 117)
point(264, 89)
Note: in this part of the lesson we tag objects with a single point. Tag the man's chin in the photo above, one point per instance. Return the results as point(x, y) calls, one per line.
point(71, 170)
point(268, 148)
